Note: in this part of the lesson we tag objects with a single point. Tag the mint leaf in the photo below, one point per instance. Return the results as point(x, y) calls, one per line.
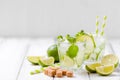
point(70, 39)
point(60, 38)
point(80, 33)
point(72, 51)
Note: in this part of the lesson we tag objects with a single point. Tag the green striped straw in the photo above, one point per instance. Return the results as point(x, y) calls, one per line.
point(103, 25)
point(97, 24)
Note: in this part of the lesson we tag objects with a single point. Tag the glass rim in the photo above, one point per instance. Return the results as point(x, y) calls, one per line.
point(63, 42)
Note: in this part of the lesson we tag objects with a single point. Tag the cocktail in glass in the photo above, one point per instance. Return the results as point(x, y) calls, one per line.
point(67, 59)
point(86, 49)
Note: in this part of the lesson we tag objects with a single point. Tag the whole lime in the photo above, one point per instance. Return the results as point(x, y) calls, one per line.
point(53, 51)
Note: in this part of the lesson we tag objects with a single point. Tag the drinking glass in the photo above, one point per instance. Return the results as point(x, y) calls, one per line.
point(97, 53)
point(88, 51)
point(70, 61)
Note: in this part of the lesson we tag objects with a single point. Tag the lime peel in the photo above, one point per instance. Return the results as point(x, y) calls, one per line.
point(46, 61)
point(110, 59)
point(34, 59)
point(105, 70)
point(92, 67)
point(52, 51)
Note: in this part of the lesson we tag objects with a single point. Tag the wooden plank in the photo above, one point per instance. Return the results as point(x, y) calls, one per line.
point(40, 46)
point(116, 47)
point(1, 40)
point(11, 55)
point(108, 48)
point(98, 77)
point(37, 47)
point(81, 75)
point(116, 74)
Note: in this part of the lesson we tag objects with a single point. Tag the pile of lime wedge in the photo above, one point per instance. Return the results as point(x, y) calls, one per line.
point(107, 65)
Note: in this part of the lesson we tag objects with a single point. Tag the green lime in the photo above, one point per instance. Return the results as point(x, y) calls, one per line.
point(53, 51)
point(67, 61)
point(105, 70)
point(92, 67)
point(46, 61)
point(72, 51)
point(110, 59)
point(33, 59)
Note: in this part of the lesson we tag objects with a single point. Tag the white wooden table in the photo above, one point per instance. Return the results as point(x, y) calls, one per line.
point(14, 65)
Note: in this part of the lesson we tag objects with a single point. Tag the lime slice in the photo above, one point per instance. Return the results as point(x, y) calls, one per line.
point(72, 51)
point(33, 59)
point(80, 58)
point(67, 61)
point(88, 38)
point(105, 70)
point(46, 61)
point(92, 67)
point(89, 44)
point(110, 59)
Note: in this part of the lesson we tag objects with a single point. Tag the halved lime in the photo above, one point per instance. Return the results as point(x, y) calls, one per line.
point(46, 61)
point(105, 70)
point(110, 59)
point(92, 67)
point(67, 61)
point(33, 59)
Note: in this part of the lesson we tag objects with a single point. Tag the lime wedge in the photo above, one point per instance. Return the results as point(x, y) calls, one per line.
point(105, 70)
point(46, 61)
point(92, 67)
point(33, 59)
point(110, 59)
point(67, 61)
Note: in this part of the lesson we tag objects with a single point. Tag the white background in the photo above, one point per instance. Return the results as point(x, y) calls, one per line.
point(48, 18)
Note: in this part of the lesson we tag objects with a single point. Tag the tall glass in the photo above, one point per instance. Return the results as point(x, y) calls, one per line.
point(98, 50)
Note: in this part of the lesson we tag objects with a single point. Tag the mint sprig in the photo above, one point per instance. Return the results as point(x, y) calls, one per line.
point(73, 48)
point(70, 38)
point(80, 33)
point(60, 38)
